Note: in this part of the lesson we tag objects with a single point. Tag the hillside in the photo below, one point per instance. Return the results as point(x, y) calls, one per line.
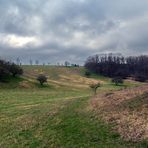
point(127, 109)
point(71, 77)
point(60, 76)
point(57, 114)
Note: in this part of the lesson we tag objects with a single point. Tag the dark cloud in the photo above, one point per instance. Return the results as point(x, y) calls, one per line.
point(58, 30)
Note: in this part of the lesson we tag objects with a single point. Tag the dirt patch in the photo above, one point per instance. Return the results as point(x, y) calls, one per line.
point(127, 109)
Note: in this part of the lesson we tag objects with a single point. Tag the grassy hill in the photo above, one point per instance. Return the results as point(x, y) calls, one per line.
point(71, 77)
point(127, 109)
point(58, 114)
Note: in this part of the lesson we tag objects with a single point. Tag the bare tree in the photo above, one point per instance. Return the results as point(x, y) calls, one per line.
point(18, 61)
point(118, 66)
point(37, 62)
point(67, 63)
point(31, 62)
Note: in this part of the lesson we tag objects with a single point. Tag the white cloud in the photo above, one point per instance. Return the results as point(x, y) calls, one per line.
point(17, 41)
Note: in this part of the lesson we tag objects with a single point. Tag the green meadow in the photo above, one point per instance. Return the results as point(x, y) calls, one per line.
point(56, 115)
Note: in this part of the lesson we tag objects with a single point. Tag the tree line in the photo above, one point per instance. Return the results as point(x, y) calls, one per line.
point(119, 66)
point(9, 69)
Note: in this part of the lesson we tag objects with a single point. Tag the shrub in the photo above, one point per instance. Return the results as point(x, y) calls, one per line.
point(4, 73)
point(94, 87)
point(7, 69)
point(87, 74)
point(42, 79)
point(15, 70)
point(117, 80)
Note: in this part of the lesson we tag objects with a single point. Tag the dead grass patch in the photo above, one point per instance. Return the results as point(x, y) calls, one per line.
point(127, 109)
point(25, 84)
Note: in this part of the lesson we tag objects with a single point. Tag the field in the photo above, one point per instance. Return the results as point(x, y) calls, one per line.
point(60, 113)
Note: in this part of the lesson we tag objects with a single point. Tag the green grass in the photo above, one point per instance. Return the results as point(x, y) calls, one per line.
point(11, 82)
point(53, 115)
point(45, 120)
point(23, 110)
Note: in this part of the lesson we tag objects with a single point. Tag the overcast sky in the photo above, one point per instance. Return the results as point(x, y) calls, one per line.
point(58, 30)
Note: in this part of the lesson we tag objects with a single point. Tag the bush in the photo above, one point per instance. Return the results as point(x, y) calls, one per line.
point(42, 79)
point(94, 87)
point(15, 70)
point(117, 80)
point(4, 73)
point(87, 74)
point(7, 69)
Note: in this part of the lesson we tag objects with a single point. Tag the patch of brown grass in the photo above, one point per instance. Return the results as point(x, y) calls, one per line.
point(25, 84)
point(127, 109)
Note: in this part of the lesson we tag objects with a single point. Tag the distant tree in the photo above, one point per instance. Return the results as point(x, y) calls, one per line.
point(74, 65)
point(118, 66)
point(31, 62)
point(42, 79)
point(117, 80)
point(18, 61)
point(67, 63)
point(37, 62)
point(94, 87)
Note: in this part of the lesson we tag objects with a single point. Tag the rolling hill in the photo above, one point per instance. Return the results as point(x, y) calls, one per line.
point(58, 114)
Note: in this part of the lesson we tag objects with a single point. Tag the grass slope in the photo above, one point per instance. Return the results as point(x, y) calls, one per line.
point(127, 109)
point(55, 115)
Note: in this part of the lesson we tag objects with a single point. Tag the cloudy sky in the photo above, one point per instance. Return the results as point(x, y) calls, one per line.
point(58, 30)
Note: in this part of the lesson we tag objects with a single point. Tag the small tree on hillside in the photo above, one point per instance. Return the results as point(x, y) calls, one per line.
point(94, 87)
point(42, 79)
point(117, 80)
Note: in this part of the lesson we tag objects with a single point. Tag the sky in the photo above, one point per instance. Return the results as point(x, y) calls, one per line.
point(54, 31)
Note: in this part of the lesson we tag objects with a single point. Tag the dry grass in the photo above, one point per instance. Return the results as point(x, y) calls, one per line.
point(25, 84)
point(127, 109)
point(60, 76)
